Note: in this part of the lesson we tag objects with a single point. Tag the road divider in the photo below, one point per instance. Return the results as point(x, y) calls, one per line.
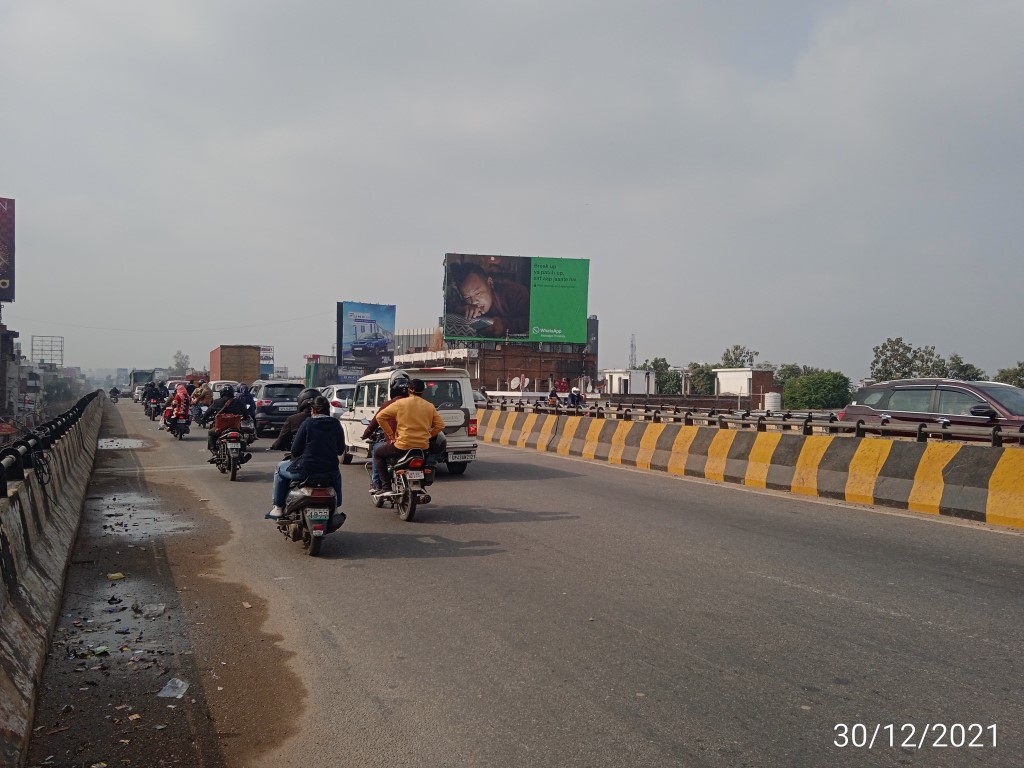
point(974, 482)
point(44, 478)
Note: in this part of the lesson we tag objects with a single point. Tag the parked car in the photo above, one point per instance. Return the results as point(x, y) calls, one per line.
point(938, 402)
point(275, 402)
point(340, 396)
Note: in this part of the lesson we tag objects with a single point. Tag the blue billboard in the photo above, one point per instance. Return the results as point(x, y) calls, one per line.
point(366, 335)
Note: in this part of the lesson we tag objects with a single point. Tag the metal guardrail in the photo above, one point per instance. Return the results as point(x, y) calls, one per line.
point(806, 422)
point(19, 455)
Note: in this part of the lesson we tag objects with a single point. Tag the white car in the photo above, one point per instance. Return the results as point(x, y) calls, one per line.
point(340, 396)
point(448, 389)
point(137, 394)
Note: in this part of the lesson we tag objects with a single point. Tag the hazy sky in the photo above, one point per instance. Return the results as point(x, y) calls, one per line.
point(803, 178)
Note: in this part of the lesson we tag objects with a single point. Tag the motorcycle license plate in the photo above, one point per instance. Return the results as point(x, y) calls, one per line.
point(233, 447)
point(464, 456)
point(414, 474)
point(318, 514)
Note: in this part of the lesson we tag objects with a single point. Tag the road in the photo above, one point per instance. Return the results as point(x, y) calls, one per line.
point(546, 611)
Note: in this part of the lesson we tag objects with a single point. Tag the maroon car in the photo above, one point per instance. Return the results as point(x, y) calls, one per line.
point(942, 402)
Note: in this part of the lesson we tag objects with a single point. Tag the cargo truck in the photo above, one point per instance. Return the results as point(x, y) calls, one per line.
point(235, 362)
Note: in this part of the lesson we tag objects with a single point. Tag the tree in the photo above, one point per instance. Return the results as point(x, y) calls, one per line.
point(788, 371)
point(180, 365)
point(958, 369)
point(821, 390)
point(666, 381)
point(926, 362)
point(738, 356)
point(1013, 376)
point(893, 360)
point(702, 378)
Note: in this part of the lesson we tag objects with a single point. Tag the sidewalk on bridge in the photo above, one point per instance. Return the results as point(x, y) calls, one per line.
point(141, 607)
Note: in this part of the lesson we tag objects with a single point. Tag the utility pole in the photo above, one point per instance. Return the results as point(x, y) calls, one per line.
point(632, 352)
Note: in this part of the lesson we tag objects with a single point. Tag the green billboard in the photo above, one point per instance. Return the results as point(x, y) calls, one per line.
point(517, 298)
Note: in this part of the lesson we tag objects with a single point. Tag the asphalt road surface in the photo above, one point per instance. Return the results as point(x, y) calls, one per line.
point(545, 611)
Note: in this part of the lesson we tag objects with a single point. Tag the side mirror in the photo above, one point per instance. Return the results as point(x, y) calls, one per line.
point(365, 422)
point(984, 409)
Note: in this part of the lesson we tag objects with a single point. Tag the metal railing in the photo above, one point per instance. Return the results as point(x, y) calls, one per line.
point(20, 455)
point(804, 422)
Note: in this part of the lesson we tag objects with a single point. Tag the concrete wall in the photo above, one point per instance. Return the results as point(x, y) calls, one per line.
point(38, 524)
point(975, 482)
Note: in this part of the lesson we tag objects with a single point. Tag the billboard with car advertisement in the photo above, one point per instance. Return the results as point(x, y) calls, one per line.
point(266, 362)
point(520, 298)
point(366, 335)
point(6, 249)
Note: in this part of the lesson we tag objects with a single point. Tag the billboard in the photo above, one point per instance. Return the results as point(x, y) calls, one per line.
point(6, 249)
point(366, 335)
point(520, 298)
point(266, 362)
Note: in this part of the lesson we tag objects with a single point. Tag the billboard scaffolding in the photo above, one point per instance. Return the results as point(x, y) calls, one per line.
point(48, 350)
point(6, 249)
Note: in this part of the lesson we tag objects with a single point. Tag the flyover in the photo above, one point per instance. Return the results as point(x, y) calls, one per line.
point(546, 611)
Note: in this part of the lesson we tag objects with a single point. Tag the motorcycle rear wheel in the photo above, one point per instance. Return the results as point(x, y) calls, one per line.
point(406, 505)
point(233, 466)
point(312, 544)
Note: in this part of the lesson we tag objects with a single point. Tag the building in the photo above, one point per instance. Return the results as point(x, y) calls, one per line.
point(745, 382)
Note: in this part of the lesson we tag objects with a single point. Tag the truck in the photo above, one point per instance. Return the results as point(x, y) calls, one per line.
point(235, 362)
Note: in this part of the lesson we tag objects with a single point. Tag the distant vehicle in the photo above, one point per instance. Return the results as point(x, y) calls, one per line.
point(137, 394)
point(215, 386)
point(479, 399)
point(938, 402)
point(340, 397)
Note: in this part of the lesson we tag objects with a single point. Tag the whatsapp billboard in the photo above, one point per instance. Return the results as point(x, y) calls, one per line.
point(519, 298)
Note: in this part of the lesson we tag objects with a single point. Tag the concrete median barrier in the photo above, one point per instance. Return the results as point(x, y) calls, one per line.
point(38, 524)
point(974, 482)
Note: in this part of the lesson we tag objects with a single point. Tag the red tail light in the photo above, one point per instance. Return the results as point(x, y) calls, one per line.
point(233, 436)
point(337, 404)
point(842, 415)
point(471, 430)
point(264, 403)
point(416, 464)
point(321, 493)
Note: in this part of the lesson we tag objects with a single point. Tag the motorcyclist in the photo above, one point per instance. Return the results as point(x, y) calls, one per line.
point(407, 423)
point(245, 397)
point(179, 405)
point(162, 392)
point(190, 387)
point(148, 392)
point(292, 424)
point(203, 395)
point(315, 450)
point(114, 392)
point(576, 399)
point(226, 403)
point(399, 390)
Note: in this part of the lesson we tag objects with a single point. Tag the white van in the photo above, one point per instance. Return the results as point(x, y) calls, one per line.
point(450, 391)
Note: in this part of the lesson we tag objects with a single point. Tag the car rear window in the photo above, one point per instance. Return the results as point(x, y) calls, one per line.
point(869, 396)
point(1011, 398)
point(444, 393)
point(282, 391)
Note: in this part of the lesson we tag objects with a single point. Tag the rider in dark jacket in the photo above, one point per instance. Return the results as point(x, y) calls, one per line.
point(315, 451)
point(291, 426)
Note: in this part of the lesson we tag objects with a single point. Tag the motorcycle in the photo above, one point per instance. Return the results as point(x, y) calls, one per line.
point(311, 512)
point(178, 427)
point(154, 408)
point(231, 450)
point(113, 399)
point(409, 475)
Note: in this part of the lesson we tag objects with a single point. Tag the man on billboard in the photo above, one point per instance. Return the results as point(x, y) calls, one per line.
point(492, 308)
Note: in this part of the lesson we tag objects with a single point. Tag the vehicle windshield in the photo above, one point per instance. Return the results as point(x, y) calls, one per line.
point(1011, 398)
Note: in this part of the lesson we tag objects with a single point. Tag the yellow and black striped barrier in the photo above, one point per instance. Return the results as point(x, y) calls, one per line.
point(974, 482)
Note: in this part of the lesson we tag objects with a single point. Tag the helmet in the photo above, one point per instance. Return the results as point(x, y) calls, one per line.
point(201, 382)
point(400, 385)
point(576, 390)
point(306, 397)
point(227, 391)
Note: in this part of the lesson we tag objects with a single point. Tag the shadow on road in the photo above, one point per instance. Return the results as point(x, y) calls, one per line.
point(391, 546)
point(468, 515)
point(510, 470)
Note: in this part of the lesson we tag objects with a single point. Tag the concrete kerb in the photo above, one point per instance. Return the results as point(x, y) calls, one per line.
point(974, 482)
point(38, 525)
